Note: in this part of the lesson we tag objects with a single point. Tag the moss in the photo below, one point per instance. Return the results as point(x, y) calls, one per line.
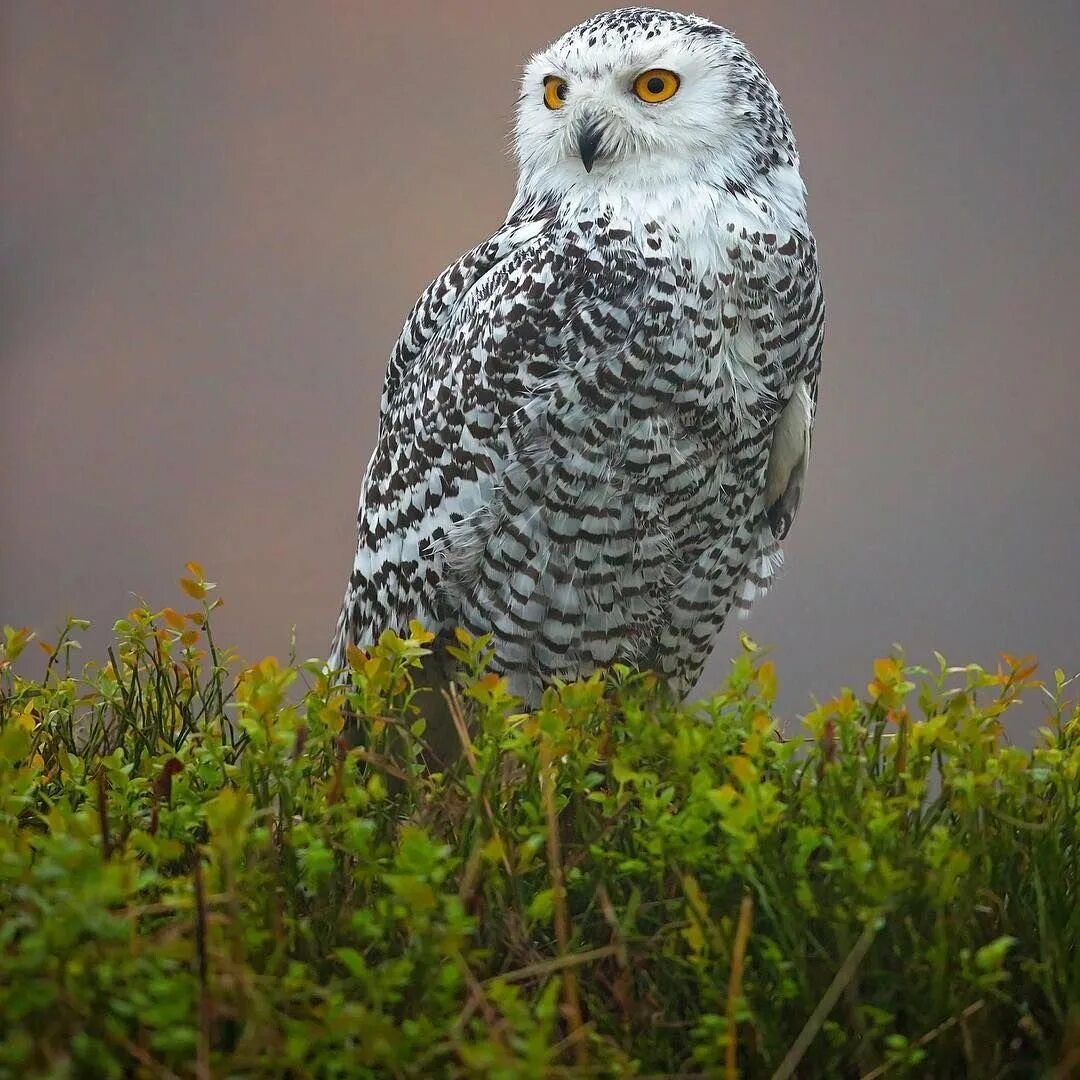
point(198, 875)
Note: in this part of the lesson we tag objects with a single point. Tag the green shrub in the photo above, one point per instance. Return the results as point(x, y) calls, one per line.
point(198, 876)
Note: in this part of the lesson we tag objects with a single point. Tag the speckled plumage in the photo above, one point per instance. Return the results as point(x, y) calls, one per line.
point(595, 425)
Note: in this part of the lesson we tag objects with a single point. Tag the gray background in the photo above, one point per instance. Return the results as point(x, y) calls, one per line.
point(214, 216)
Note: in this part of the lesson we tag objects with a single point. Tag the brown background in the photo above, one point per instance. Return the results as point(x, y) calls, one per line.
point(213, 217)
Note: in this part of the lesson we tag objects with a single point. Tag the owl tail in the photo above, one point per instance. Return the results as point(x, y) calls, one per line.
point(760, 572)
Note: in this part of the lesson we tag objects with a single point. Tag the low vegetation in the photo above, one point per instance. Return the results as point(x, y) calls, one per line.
point(200, 875)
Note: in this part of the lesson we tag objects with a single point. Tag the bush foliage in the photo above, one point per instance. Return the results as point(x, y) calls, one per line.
point(199, 876)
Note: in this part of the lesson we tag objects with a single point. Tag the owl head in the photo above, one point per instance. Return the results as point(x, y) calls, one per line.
point(642, 98)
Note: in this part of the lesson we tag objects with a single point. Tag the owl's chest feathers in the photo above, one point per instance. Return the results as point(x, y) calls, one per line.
point(694, 302)
point(627, 421)
point(676, 406)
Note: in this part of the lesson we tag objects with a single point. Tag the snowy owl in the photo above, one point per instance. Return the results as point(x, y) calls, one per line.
point(595, 425)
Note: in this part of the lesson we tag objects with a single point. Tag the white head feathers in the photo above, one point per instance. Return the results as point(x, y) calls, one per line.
point(585, 118)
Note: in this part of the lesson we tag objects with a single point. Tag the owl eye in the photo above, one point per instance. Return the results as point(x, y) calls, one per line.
point(655, 85)
point(554, 92)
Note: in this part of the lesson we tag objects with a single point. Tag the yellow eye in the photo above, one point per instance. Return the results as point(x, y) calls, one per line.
point(554, 92)
point(655, 85)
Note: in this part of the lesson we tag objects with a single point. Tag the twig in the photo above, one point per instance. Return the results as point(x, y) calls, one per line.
point(560, 1048)
point(118, 1039)
point(478, 999)
point(558, 891)
point(470, 874)
point(103, 813)
point(460, 726)
point(558, 963)
point(380, 763)
point(677, 1076)
point(825, 1006)
point(148, 1062)
point(622, 984)
point(930, 1036)
point(202, 1058)
point(742, 936)
point(1019, 823)
point(170, 907)
point(607, 908)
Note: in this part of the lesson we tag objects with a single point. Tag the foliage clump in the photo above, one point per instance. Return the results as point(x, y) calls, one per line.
point(201, 875)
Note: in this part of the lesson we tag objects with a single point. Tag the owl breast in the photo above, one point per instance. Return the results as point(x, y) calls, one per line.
point(619, 466)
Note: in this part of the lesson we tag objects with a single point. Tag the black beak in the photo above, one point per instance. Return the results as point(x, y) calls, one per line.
point(589, 143)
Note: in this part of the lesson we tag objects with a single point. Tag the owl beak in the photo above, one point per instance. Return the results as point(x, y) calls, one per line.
point(589, 138)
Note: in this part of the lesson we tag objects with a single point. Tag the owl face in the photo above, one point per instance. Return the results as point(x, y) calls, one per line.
point(638, 97)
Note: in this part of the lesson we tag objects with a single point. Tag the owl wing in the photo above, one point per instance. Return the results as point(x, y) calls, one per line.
point(447, 512)
point(789, 312)
point(437, 303)
point(788, 456)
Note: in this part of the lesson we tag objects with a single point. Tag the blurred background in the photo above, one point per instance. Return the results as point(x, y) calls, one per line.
point(213, 218)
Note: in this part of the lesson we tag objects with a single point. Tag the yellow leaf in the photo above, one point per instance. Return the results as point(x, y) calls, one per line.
point(1022, 668)
point(25, 719)
point(173, 618)
point(356, 657)
point(15, 641)
point(766, 678)
point(493, 851)
point(742, 769)
point(886, 669)
point(189, 637)
point(694, 936)
point(332, 718)
point(695, 896)
point(418, 633)
point(195, 570)
point(192, 588)
point(723, 796)
point(418, 894)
